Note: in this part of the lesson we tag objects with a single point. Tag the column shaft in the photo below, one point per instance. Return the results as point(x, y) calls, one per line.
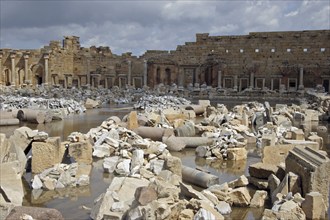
point(145, 73)
point(219, 79)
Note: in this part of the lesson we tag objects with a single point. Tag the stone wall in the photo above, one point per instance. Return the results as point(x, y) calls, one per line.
point(260, 60)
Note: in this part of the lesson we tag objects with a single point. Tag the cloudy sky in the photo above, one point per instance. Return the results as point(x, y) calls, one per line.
point(138, 25)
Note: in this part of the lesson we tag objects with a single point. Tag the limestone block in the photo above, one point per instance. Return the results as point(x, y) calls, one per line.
point(258, 199)
point(208, 210)
point(267, 140)
point(273, 183)
point(173, 143)
point(239, 182)
point(46, 154)
point(186, 214)
point(11, 183)
point(262, 170)
point(311, 115)
point(313, 167)
point(277, 154)
point(210, 196)
point(317, 139)
point(259, 183)
point(124, 187)
point(174, 165)
point(4, 148)
point(81, 152)
point(223, 207)
point(145, 195)
point(314, 206)
point(298, 135)
point(110, 164)
point(220, 191)
point(132, 121)
point(21, 138)
point(34, 213)
point(240, 197)
point(236, 153)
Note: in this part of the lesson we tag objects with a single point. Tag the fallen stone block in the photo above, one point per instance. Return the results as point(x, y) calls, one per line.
point(298, 135)
point(81, 151)
point(240, 197)
point(11, 183)
point(236, 153)
point(25, 212)
point(262, 170)
point(313, 167)
point(132, 120)
point(259, 183)
point(239, 182)
point(314, 206)
point(258, 199)
point(145, 195)
point(46, 154)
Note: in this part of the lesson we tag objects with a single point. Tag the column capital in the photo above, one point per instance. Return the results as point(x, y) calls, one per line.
point(26, 56)
point(46, 56)
point(12, 55)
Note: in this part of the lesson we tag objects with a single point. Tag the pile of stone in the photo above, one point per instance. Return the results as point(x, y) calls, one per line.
point(158, 103)
point(60, 176)
point(14, 102)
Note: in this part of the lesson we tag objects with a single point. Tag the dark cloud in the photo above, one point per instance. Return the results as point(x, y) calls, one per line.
point(139, 25)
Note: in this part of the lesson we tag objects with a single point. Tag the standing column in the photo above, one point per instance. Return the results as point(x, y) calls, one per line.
point(2, 79)
point(252, 80)
point(272, 84)
point(301, 78)
point(45, 79)
point(106, 82)
point(13, 74)
point(26, 66)
point(88, 73)
point(129, 73)
point(79, 82)
point(145, 72)
point(180, 83)
point(235, 82)
point(219, 79)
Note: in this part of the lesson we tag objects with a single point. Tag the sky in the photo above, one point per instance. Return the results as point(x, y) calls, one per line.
point(136, 26)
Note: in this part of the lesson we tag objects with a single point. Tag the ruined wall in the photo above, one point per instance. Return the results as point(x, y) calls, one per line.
point(259, 60)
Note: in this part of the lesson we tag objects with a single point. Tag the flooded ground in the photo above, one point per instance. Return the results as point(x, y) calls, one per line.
point(74, 203)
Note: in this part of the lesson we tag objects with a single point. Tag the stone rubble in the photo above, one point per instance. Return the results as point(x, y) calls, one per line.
point(150, 183)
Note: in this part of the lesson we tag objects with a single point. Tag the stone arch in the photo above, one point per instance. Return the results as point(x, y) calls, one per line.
point(37, 74)
point(158, 76)
point(7, 77)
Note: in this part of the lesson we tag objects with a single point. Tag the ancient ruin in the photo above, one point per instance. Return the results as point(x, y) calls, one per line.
point(280, 61)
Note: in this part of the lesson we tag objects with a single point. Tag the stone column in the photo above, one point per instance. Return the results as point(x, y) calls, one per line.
point(263, 83)
point(272, 84)
point(145, 72)
point(106, 82)
point(13, 74)
point(2, 79)
point(26, 68)
point(45, 79)
point(235, 82)
point(79, 82)
point(252, 80)
point(88, 73)
point(129, 73)
point(180, 82)
point(65, 81)
point(219, 79)
point(301, 78)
